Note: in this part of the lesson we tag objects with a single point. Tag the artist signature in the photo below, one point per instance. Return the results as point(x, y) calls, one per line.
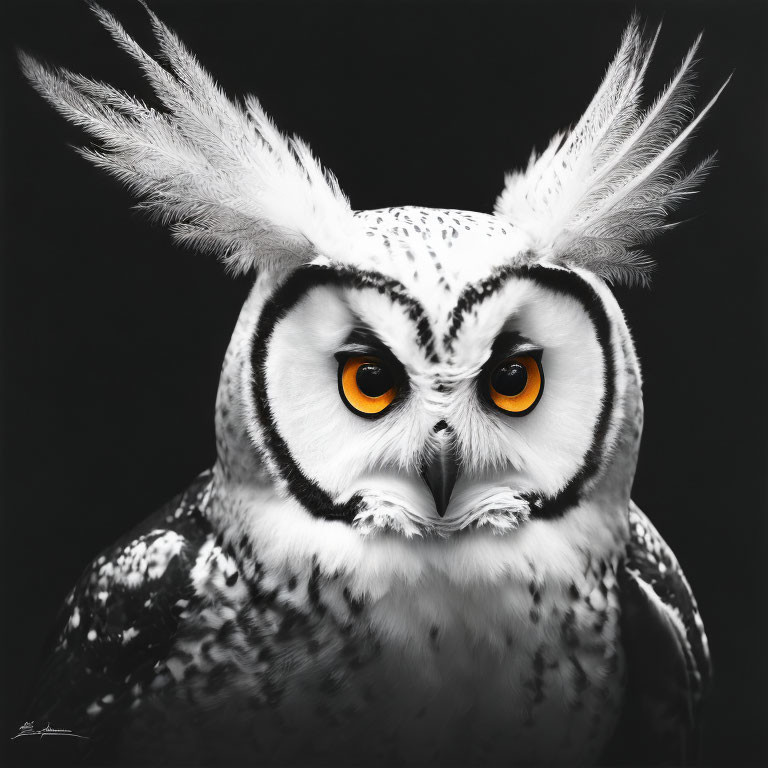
point(28, 729)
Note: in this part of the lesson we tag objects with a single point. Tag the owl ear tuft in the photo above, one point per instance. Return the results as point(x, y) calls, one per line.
point(219, 173)
point(599, 193)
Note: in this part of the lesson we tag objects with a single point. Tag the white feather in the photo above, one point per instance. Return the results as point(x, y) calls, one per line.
point(223, 175)
point(593, 197)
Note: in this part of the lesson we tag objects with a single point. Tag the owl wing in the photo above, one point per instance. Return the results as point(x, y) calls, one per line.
point(116, 624)
point(668, 663)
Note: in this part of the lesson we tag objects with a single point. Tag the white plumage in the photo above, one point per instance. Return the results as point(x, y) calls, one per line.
point(221, 173)
point(232, 184)
point(430, 555)
point(603, 190)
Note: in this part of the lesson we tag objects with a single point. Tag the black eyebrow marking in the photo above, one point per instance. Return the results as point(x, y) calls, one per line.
point(568, 283)
point(364, 341)
point(310, 495)
point(472, 295)
point(510, 342)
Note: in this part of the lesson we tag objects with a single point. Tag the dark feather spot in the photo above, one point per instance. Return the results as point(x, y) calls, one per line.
point(355, 604)
point(579, 678)
point(226, 630)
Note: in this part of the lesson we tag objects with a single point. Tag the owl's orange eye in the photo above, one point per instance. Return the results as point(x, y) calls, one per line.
point(367, 384)
point(516, 384)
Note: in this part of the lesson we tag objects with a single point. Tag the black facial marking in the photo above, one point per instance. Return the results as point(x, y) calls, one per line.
point(569, 284)
point(506, 343)
point(365, 339)
point(471, 295)
point(315, 500)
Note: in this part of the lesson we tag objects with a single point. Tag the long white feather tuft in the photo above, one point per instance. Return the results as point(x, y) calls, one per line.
point(222, 175)
point(595, 196)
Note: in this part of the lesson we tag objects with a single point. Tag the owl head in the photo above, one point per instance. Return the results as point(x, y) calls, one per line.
point(411, 372)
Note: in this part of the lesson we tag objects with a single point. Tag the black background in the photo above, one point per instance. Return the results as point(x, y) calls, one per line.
point(112, 337)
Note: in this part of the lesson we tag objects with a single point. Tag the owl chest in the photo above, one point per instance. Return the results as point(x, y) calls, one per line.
point(480, 677)
point(425, 675)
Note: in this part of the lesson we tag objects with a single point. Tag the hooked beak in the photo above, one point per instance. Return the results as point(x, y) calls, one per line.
point(441, 469)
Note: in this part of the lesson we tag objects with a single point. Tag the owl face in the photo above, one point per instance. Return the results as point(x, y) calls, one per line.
point(408, 370)
point(419, 389)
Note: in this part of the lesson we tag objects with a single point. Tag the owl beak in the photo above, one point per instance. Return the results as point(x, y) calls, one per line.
point(441, 470)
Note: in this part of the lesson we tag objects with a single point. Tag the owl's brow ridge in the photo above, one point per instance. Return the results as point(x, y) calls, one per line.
point(363, 339)
point(473, 294)
point(425, 337)
point(512, 342)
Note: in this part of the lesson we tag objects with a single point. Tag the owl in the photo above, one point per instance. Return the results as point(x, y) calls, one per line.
point(417, 544)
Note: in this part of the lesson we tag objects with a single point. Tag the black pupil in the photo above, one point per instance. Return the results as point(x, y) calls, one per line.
point(373, 379)
point(509, 379)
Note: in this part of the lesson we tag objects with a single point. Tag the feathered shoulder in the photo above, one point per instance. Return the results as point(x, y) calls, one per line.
point(668, 661)
point(120, 621)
